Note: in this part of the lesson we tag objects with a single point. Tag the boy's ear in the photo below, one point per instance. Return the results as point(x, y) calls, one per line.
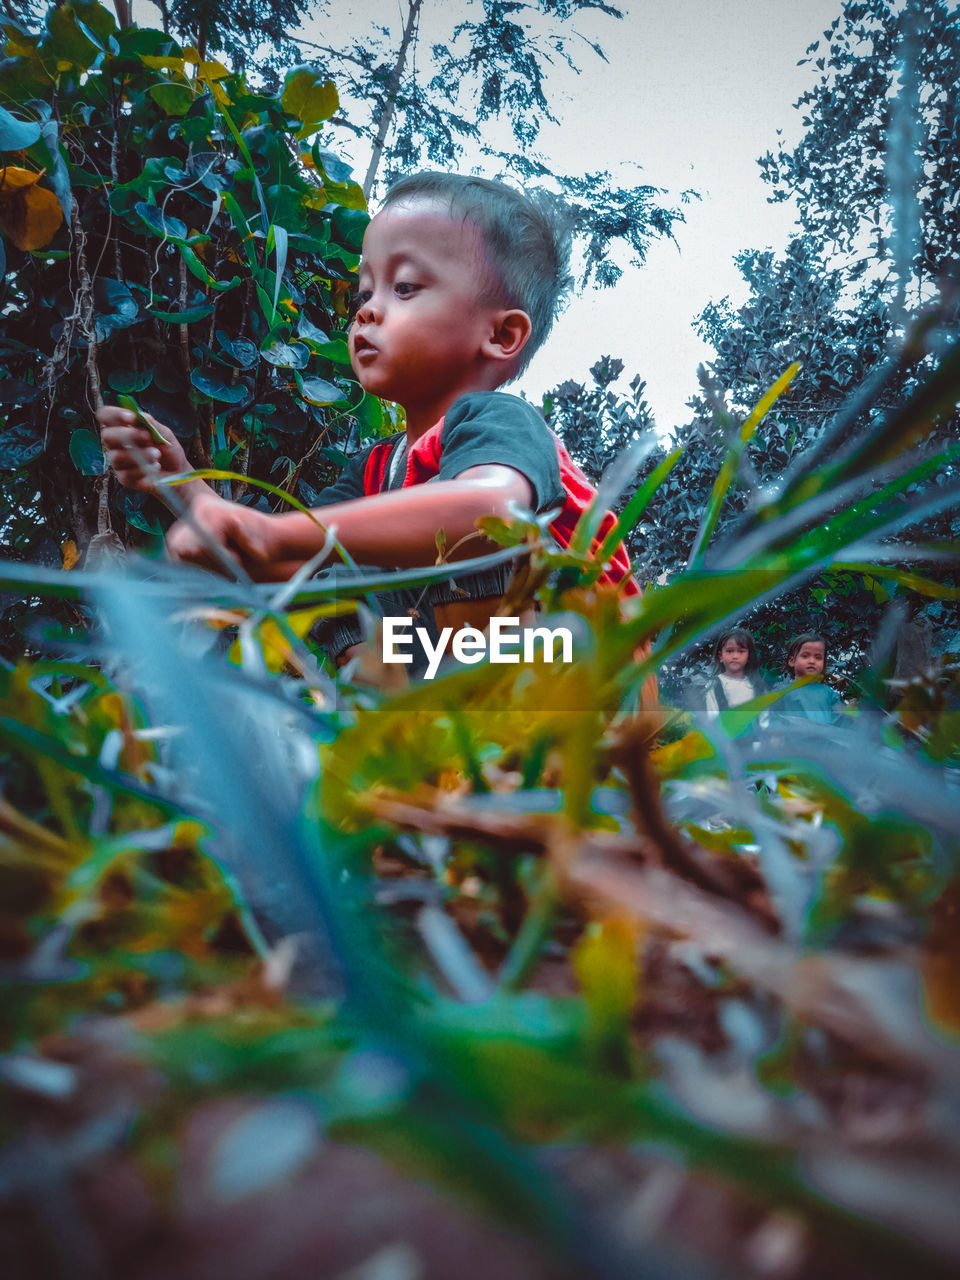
point(509, 334)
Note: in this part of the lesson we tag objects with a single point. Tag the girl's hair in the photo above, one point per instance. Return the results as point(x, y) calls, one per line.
point(807, 637)
point(742, 637)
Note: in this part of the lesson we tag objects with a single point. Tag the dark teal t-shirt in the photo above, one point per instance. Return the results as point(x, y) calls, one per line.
point(480, 429)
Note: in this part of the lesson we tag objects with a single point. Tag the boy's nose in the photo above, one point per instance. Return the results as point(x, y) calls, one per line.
point(367, 312)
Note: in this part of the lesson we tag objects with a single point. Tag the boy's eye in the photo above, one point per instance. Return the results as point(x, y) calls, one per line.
point(405, 289)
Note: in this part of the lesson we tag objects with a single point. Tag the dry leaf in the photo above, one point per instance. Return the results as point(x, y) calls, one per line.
point(30, 215)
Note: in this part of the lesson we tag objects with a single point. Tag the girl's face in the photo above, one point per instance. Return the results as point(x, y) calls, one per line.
point(734, 656)
point(809, 660)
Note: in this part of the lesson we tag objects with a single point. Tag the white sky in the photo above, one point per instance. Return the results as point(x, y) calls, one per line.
point(693, 92)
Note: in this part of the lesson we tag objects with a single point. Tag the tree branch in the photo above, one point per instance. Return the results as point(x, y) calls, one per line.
point(393, 84)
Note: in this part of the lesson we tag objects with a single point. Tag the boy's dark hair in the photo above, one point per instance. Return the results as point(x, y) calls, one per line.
point(527, 242)
point(742, 636)
point(807, 637)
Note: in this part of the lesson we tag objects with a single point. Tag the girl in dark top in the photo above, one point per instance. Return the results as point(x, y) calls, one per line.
point(736, 677)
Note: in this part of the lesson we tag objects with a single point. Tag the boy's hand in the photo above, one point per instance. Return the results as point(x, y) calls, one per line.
point(120, 432)
point(247, 535)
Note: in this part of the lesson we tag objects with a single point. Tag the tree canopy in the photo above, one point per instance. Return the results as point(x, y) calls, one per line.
point(879, 158)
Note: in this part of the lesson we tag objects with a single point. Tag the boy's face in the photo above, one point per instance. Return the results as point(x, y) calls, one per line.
point(809, 659)
point(421, 319)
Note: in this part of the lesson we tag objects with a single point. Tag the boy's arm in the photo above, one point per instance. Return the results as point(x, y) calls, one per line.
point(394, 529)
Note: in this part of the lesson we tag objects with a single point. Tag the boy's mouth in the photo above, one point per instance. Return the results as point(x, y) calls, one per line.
point(361, 346)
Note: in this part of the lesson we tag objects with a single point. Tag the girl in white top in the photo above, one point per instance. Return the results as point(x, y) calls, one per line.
point(736, 674)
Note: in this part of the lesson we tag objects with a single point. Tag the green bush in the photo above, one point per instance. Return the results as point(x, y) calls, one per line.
point(183, 240)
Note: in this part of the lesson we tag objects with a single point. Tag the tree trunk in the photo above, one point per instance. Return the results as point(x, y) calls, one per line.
point(390, 97)
point(124, 17)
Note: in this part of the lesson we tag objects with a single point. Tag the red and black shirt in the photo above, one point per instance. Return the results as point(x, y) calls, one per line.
point(482, 428)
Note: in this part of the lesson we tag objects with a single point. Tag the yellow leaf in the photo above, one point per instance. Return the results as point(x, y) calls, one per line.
point(20, 45)
point(671, 759)
point(275, 645)
point(767, 401)
point(111, 705)
point(212, 70)
point(69, 553)
point(605, 962)
point(29, 215)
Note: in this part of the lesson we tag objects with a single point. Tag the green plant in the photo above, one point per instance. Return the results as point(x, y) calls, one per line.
point(202, 262)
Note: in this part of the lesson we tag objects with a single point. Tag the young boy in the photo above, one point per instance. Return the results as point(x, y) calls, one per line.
point(458, 286)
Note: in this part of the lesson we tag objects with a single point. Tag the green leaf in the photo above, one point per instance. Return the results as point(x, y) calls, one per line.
point(317, 391)
point(369, 412)
point(194, 265)
point(241, 351)
point(278, 240)
point(58, 175)
point(222, 286)
point(349, 226)
point(333, 167)
point(183, 317)
point(286, 355)
point(145, 523)
point(606, 965)
point(217, 389)
point(68, 43)
point(161, 223)
point(16, 134)
point(130, 379)
point(736, 720)
point(915, 582)
point(333, 349)
point(637, 505)
point(86, 452)
point(212, 473)
point(175, 99)
point(19, 446)
point(731, 463)
point(97, 22)
point(128, 402)
point(348, 194)
point(512, 533)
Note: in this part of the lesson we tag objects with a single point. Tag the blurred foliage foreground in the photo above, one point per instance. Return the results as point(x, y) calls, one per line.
point(492, 975)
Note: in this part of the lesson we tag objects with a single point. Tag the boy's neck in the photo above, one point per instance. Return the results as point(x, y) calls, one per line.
point(421, 417)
